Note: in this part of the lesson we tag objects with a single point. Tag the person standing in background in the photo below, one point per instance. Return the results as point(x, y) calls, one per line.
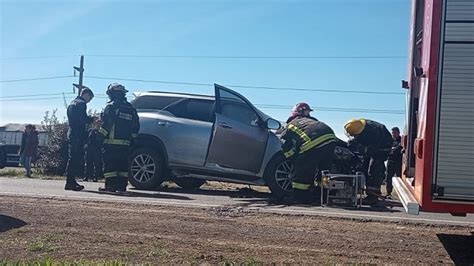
point(94, 153)
point(394, 163)
point(29, 147)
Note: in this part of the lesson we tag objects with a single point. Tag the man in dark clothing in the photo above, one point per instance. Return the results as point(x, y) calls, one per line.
point(120, 127)
point(77, 135)
point(94, 153)
point(377, 142)
point(394, 163)
point(310, 144)
point(29, 147)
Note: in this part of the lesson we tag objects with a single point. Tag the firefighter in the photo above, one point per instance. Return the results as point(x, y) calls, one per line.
point(94, 153)
point(120, 126)
point(310, 144)
point(377, 143)
point(77, 134)
point(394, 163)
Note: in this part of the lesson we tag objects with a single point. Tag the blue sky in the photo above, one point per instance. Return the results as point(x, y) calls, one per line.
point(209, 28)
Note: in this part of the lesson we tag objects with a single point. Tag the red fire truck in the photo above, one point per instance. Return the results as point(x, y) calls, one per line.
point(438, 170)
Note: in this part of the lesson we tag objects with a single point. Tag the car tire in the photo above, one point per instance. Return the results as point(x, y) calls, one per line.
point(189, 182)
point(276, 179)
point(146, 168)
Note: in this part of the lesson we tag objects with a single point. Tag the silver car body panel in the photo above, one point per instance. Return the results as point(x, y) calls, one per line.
point(188, 143)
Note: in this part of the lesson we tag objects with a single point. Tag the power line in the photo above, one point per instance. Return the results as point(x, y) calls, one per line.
point(248, 56)
point(336, 109)
point(212, 56)
point(209, 84)
point(35, 95)
point(245, 86)
point(32, 79)
point(263, 106)
point(36, 57)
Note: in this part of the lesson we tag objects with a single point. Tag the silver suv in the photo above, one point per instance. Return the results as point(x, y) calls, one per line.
point(193, 138)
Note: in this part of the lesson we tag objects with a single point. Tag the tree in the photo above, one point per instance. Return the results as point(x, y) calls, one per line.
point(53, 157)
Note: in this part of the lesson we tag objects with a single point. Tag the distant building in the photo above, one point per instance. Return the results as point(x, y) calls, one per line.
point(11, 135)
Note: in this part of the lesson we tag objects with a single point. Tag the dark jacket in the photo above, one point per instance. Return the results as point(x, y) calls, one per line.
point(395, 154)
point(29, 144)
point(78, 118)
point(376, 138)
point(94, 140)
point(120, 123)
point(305, 133)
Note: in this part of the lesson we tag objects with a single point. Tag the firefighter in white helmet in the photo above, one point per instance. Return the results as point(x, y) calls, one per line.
point(120, 127)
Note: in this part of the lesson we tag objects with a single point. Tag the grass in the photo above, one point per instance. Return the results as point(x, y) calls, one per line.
point(19, 172)
point(46, 243)
point(157, 251)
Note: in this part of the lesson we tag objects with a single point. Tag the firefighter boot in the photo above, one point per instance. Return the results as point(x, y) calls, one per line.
point(123, 182)
point(372, 196)
point(110, 184)
point(389, 192)
point(71, 184)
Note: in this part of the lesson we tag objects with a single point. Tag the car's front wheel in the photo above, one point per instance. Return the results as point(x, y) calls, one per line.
point(279, 175)
point(146, 168)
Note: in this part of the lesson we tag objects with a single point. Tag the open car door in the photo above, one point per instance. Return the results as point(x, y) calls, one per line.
point(240, 138)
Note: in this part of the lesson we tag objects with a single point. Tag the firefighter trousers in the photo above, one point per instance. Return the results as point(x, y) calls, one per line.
point(116, 166)
point(376, 173)
point(393, 169)
point(307, 165)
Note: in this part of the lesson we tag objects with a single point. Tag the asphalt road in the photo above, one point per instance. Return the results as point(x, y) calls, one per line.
point(228, 199)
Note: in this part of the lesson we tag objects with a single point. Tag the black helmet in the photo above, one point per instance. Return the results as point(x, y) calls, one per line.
point(115, 87)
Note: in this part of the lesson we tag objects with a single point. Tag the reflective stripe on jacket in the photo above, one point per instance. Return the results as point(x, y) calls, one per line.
point(305, 133)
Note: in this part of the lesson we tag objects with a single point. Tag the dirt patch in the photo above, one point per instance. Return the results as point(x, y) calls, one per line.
point(138, 233)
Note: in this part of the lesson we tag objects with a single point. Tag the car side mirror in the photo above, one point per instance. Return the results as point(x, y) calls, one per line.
point(272, 124)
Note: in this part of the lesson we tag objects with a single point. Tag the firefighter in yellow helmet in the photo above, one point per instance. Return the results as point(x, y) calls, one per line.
point(377, 143)
point(310, 144)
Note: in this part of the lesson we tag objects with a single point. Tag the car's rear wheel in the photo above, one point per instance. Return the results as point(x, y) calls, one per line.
point(189, 182)
point(279, 175)
point(146, 169)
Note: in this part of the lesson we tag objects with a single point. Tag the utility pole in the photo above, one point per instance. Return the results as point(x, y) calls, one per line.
point(79, 69)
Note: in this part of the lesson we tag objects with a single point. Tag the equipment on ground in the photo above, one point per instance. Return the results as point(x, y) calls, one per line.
point(342, 189)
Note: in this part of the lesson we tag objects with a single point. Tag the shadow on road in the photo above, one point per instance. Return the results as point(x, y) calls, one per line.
point(9, 223)
point(241, 193)
point(250, 197)
point(132, 194)
point(459, 247)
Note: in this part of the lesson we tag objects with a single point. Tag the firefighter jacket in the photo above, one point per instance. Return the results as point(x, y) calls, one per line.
point(78, 118)
point(305, 133)
point(120, 123)
point(376, 138)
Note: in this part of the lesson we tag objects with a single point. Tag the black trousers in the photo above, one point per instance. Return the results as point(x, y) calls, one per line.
point(93, 162)
point(116, 166)
point(376, 173)
point(393, 169)
point(308, 163)
point(75, 162)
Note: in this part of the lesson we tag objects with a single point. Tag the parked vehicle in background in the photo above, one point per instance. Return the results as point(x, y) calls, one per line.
point(3, 155)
